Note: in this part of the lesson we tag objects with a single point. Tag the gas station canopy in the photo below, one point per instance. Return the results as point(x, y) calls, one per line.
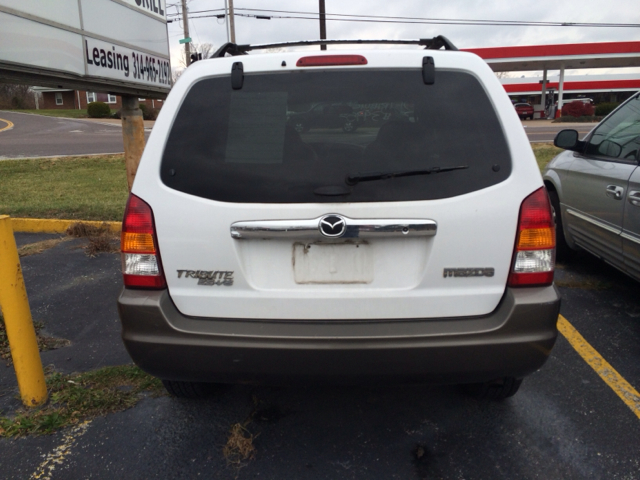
point(557, 57)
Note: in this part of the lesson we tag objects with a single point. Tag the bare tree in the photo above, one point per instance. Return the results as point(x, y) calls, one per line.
point(175, 74)
point(16, 96)
point(503, 74)
point(204, 49)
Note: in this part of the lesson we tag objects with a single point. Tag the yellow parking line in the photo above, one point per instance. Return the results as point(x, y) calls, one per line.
point(9, 125)
point(623, 389)
point(57, 456)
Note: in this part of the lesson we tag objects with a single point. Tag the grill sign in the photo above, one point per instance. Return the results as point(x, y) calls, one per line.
point(468, 272)
point(154, 6)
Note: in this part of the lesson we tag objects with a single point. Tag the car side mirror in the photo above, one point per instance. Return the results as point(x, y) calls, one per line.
point(567, 139)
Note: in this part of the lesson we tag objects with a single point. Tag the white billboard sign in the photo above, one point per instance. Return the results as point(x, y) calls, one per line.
point(104, 59)
point(116, 46)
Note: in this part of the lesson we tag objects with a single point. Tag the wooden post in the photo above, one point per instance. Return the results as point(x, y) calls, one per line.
point(132, 135)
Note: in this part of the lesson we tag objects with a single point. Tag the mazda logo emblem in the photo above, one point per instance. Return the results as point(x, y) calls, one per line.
point(332, 226)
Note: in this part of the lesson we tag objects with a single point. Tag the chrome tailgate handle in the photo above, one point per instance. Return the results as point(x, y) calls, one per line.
point(615, 192)
point(334, 226)
point(634, 198)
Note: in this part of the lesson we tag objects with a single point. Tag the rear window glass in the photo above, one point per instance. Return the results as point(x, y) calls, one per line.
point(296, 137)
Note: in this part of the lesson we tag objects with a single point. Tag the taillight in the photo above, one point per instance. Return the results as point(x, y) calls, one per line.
point(330, 60)
point(535, 252)
point(141, 266)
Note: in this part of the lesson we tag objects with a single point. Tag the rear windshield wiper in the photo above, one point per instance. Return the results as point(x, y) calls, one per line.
point(355, 178)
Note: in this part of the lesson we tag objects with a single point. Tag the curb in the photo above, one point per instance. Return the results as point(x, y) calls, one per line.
point(64, 156)
point(46, 225)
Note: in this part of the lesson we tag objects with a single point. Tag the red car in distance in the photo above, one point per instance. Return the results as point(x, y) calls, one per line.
point(524, 110)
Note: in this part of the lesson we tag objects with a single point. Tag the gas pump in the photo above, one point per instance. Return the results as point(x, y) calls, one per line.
point(549, 108)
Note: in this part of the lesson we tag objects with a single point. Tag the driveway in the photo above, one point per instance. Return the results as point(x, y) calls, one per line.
point(40, 136)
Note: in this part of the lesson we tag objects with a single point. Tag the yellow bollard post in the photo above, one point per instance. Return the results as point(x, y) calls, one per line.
point(18, 321)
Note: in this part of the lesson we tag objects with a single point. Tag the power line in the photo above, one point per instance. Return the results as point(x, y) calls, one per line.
point(491, 22)
point(411, 20)
point(177, 14)
point(435, 22)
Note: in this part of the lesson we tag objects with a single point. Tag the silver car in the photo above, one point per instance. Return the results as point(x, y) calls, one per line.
point(595, 189)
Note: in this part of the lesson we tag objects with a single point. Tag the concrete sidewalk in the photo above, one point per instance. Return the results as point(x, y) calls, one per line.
point(544, 122)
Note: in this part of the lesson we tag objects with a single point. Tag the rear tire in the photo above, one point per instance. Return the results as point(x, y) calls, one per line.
point(563, 251)
point(188, 389)
point(495, 390)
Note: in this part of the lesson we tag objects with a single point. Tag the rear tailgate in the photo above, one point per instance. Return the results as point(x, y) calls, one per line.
point(239, 204)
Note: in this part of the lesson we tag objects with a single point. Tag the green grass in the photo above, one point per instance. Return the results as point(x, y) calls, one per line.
point(54, 112)
point(544, 152)
point(85, 188)
point(91, 188)
point(82, 396)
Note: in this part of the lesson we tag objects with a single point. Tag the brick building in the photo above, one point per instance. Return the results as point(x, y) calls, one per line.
point(60, 98)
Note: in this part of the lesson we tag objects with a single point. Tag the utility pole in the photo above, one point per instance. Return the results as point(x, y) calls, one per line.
point(323, 25)
point(185, 24)
point(232, 23)
point(226, 12)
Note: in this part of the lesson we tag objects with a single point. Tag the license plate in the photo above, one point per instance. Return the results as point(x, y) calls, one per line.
point(339, 263)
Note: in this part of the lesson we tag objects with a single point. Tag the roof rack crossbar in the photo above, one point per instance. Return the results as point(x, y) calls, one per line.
point(230, 48)
point(434, 43)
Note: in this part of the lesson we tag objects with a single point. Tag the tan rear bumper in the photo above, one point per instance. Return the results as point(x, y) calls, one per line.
point(514, 340)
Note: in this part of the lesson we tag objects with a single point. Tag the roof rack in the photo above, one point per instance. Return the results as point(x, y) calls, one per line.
point(434, 43)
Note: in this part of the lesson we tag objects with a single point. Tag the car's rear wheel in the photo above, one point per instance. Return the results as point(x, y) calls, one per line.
point(563, 251)
point(495, 390)
point(188, 389)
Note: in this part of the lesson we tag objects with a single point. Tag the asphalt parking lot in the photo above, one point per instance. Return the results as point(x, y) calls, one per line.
point(565, 422)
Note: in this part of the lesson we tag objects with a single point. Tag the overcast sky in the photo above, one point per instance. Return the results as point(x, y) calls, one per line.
point(252, 30)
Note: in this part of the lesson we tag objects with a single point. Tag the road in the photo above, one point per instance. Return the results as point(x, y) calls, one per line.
point(40, 136)
point(565, 422)
point(545, 131)
point(538, 131)
point(36, 135)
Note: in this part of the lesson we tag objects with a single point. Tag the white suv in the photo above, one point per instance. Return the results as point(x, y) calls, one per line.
point(418, 248)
